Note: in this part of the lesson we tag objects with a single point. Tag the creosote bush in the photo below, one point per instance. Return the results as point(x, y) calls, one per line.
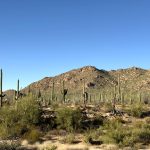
point(9, 146)
point(17, 119)
point(69, 138)
point(136, 110)
point(116, 132)
point(68, 119)
point(33, 135)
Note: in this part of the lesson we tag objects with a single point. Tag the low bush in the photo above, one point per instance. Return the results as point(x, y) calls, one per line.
point(33, 135)
point(68, 119)
point(28, 108)
point(136, 110)
point(142, 133)
point(9, 146)
point(116, 132)
point(92, 135)
point(70, 138)
point(15, 120)
point(108, 107)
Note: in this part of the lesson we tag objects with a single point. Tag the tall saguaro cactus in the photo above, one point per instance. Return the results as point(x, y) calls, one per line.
point(1, 89)
point(52, 91)
point(18, 90)
point(64, 91)
point(114, 100)
point(85, 94)
point(140, 97)
point(119, 88)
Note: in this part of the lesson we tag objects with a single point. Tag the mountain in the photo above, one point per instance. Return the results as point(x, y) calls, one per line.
point(131, 79)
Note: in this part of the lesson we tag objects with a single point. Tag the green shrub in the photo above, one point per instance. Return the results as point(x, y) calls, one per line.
point(33, 135)
point(9, 146)
point(108, 107)
point(70, 138)
point(50, 148)
point(136, 110)
point(92, 135)
point(9, 119)
point(142, 133)
point(115, 132)
point(15, 120)
point(87, 138)
point(28, 108)
point(147, 120)
point(68, 119)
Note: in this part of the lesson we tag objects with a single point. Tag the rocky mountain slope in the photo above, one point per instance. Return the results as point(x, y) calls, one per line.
point(130, 79)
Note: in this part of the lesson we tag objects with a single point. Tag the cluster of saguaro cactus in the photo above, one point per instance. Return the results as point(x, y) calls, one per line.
point(64, 91)
point(1, 89)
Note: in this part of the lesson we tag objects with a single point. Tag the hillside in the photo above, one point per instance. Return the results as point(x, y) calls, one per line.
point(131, 79)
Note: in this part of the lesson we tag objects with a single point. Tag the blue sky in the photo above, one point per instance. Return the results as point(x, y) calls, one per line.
point(41, 38)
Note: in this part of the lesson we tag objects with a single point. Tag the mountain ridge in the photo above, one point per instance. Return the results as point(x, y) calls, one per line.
point(133, 78)
point(97, 77)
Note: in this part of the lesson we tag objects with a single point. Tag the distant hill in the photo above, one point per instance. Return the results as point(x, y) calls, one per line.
point(131, 79)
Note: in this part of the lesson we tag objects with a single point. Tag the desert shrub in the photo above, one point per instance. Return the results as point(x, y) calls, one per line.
point(94, 123)
point(108, 107)
point(33, 135)
point(142, 134)
point(92, 134)
point(87, 138)
point(115, 132)
point(70, 138)
point(16, 119)
point(68, 119)
point(9, 119)
point(28, 108)
point(147, 120)
point(136, 110)
point(9, 146)
point(52, 148)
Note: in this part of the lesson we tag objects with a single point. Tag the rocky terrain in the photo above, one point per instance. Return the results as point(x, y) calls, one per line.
point(131, 79)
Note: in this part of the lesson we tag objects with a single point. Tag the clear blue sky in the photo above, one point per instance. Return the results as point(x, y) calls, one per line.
point(41, 38)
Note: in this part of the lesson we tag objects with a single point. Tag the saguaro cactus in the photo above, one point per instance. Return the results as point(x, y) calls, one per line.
point(52, 91)
point(119, 88)
point(1, 89)
point(18, 90)
point(85, 94)
point(140, 97)
point(39, 94)
point(131, 100)
point(64, 91)
point(114, 100)
point(29, 90)
point(122, 98)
